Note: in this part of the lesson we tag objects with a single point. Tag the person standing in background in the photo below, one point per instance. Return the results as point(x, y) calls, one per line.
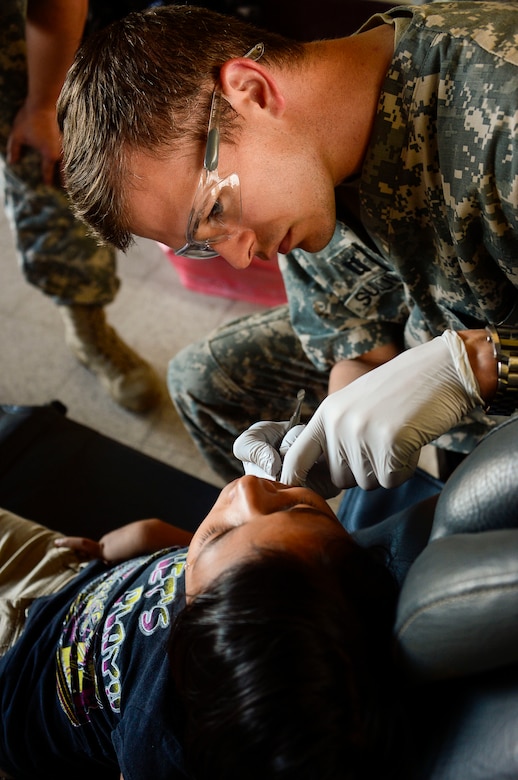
point(57, 255)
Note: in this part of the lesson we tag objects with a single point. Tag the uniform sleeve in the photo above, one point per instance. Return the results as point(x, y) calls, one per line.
point(344, 300)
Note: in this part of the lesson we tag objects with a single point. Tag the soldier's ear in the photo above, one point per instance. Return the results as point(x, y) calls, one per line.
point(249, 86)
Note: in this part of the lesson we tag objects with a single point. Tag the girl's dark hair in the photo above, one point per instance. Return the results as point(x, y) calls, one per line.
point(284, 669)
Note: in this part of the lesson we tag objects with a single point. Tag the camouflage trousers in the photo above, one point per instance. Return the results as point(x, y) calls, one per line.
point(55, 252)
point(248, 370)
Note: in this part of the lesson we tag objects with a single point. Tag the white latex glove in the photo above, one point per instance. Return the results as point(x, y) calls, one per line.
point(258, 447)
point(263, 446)
point(318, 478)
point(371, 431)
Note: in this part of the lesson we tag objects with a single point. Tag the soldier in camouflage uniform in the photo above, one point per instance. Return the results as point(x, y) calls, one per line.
point(426, 210)
point(427, 233)
point(56, 253)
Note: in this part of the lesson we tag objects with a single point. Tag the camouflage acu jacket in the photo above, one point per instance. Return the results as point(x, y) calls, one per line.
point(438, 193)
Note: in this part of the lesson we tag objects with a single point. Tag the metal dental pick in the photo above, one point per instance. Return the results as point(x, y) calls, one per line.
point(295, 417)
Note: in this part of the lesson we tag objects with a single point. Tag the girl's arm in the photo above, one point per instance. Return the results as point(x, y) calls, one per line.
point(137, 538)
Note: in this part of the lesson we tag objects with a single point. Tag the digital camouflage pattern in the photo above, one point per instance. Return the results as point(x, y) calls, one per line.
point(439, 193)
point(439, 197)
point(56, 253)
point(439, 187)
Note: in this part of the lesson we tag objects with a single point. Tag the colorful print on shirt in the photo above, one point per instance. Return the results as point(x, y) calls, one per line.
point(138, 593)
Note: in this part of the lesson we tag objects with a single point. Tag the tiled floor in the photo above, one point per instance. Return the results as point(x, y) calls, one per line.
point(152, 311)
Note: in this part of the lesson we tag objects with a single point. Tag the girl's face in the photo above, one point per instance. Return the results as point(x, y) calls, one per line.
point(253, 513)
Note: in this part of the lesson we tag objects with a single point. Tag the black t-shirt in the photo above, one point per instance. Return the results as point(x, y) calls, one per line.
point(86, 690)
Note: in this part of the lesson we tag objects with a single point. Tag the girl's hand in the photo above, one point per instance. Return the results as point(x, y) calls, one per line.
point(83, 547)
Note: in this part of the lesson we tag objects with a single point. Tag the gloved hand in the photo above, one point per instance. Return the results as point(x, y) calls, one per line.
point(262, 447)
point(319, 478)
point(258, 447)
point(371, 431)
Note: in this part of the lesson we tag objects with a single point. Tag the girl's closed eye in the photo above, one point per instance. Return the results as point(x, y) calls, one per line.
point(209, 533)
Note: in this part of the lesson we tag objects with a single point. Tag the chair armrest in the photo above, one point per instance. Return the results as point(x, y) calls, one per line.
point(458, 608)
point(482, 493)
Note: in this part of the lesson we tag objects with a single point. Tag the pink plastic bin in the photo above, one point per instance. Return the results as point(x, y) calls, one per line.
point(260, 283)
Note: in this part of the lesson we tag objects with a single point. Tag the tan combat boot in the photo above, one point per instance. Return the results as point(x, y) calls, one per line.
point(130, 381)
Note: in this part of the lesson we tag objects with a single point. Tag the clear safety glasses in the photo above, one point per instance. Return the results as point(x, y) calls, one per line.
point(216, 211)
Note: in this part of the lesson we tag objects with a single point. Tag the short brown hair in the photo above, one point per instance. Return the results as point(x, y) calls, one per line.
point(144, 83)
